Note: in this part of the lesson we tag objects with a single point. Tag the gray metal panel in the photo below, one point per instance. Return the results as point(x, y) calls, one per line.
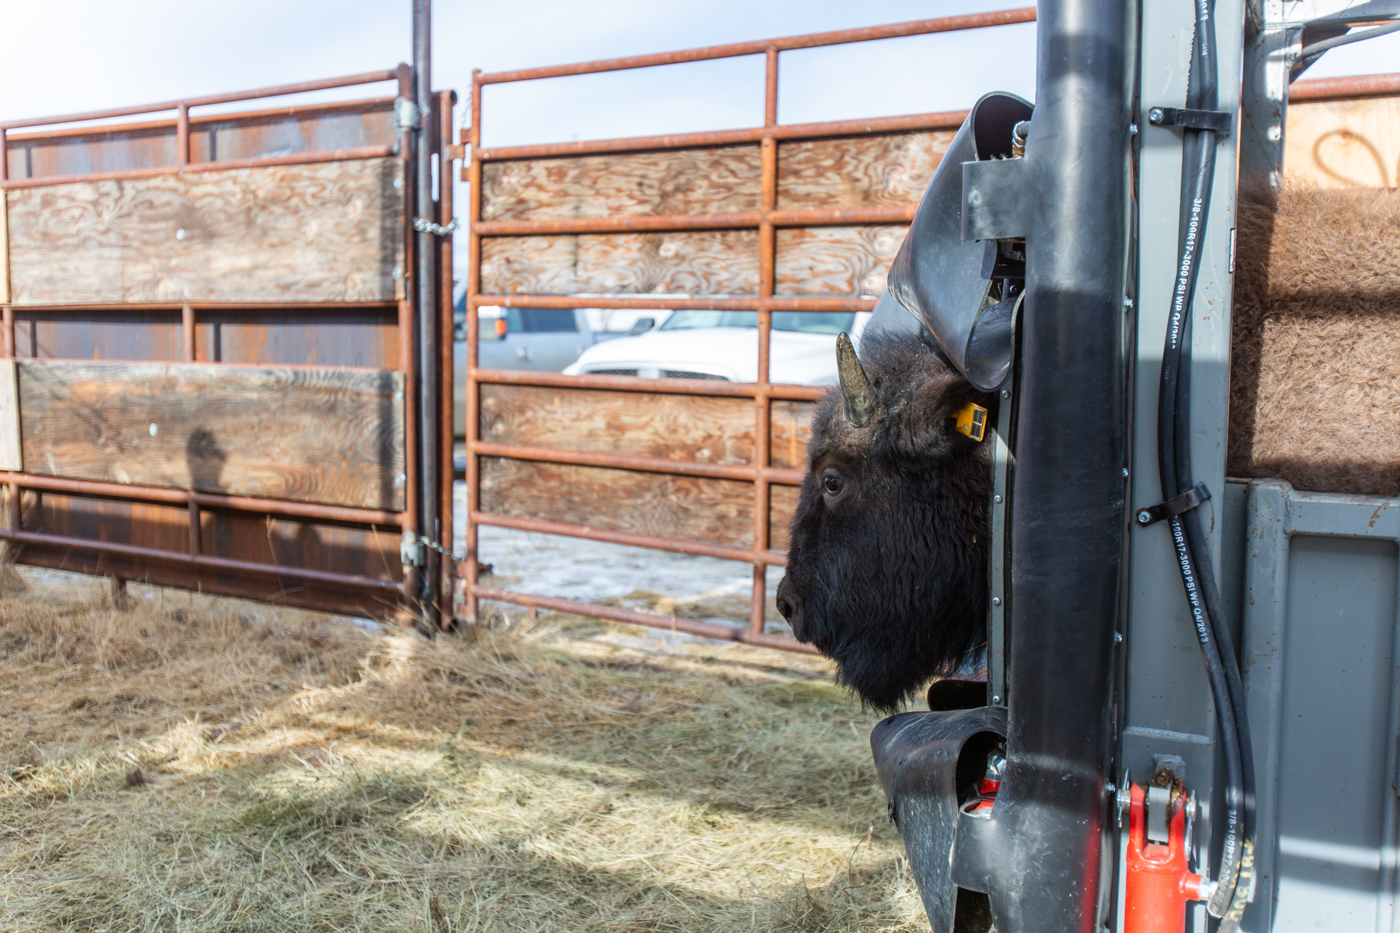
point(1320, 617)
point(1167, 690)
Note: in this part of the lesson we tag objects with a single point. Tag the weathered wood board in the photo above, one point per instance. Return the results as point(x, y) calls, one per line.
point(850, 261)
point(782, 503)
point(329, 231)
point(791, 431)
point(717, 511)
point(702, 262)
point(1343, 143)
point(866, 171)
point(635, 424)
point(10, 457)
point(311, 435)
point(675, 181)
point(4, 248)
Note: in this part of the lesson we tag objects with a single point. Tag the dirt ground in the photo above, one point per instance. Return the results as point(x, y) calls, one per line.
point(195, 764)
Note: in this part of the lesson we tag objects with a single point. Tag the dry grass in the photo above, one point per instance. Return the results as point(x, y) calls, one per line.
point(193, 764)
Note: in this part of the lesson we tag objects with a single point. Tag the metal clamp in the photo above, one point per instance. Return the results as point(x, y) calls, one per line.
point(1174, 506)
point(1217, 121)
point(422, 225)
point(406, 114)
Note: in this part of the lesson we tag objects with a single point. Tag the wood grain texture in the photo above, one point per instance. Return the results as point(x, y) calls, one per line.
point(782, 503)
point(4, 248)
point(836, 260)
point(791, 432)
point(317, 232)
point(684, 181)
point(1343, 143)
point(712, 510)
point(10, 456)
point(869, 171)
point(706, 262)
point(634, 424)
point(310, 435)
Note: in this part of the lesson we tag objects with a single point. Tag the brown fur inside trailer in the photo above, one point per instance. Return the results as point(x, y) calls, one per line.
point(1315, 343)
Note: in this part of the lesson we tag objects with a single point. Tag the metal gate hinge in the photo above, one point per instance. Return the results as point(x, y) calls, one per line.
point(406, 114)
point(1173, 507)
point(1218, 121)
point(423, 225)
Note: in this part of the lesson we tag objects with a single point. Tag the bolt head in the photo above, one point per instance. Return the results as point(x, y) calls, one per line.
point(996, 499)
point(1005, 393)
point(996, 600)
point(1155, 116)
point(1144, 517)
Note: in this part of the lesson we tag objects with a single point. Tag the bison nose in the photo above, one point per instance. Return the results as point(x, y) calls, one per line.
point(787, 600)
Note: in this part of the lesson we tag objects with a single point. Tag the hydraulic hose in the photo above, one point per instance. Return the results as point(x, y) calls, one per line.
point(1235, 870)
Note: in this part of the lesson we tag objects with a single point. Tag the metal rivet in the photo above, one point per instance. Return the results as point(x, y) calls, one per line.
point(1005, 393)
point(398, 273)
point(154, 430)
point(400, 479)
point(1132, 129)
point(180, 234)
point(996, 698)
point(1118, 638)
point(996, 600)
point(1144, 517)
point(1127, 303)
point(398, 397)
point(398, 182)
point(996, 499)
point(1125, 472)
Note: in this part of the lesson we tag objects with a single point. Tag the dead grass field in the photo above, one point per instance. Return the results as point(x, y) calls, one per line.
point(194, 764)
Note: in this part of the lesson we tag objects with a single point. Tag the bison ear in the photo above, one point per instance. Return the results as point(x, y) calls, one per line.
point(857, 395)
point(929, 420)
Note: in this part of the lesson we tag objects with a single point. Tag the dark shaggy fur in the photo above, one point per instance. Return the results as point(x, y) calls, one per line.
point(888, 576)
point(1315, 341)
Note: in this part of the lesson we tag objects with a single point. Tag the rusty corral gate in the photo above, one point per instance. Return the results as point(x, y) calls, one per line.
point(788, 218)
point(209, 373)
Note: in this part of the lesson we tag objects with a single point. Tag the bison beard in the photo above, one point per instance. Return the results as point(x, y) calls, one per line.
point(887, 569)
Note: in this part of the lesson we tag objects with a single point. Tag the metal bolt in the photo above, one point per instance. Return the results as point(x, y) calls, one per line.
point(996, 698)
point(398, 397)
point(1144, 517)
point(400, 479)
point(996, 600)
point(996, 499)
point(180, 234)
point(154, 430)
point(1127, 303)
point(1005, 393)
point(1155, 116)
point(1132, 129)
point(1125, 472)
point(1118, 638)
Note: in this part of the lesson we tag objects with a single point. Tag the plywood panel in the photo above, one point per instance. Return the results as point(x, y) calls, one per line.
point(313, 435)
point(329, 231)
point(782, 502)
point(636, 424)
point(1343, 143)
point(850, 261)
point(712, 510)
point(870, 171)
point(792, 430)
point(708, 262)
point(684, 181)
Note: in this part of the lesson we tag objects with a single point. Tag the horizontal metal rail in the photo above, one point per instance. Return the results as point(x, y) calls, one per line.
point(675, 545)
point(279, 90)
point(650, 619)
point(780, 475)
point(298, 305)
point(674, 302)
point(201, 560)
point(666, 223)
point(296, 158)
point(712, 387)
point(1348, 88)
point(181, 497)
point(905, 123)
point(761, 46)
point(295, 111)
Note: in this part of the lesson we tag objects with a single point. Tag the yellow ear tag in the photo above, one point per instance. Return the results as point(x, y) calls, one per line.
point(972, 421)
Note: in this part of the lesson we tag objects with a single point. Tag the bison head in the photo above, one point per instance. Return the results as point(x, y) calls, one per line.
point(887, 569)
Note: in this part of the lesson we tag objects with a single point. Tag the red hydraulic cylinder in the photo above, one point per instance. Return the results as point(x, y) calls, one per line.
point(1158, 883)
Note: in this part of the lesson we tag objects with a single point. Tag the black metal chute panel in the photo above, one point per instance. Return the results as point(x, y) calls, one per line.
point(950, 283)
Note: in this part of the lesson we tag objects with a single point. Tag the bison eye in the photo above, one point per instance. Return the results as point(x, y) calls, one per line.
point(831, 483)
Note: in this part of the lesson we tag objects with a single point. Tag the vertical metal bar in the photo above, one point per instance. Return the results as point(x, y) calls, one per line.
point(16, 508)
point(446, 410)
point(187, 331)
point(473, 416)
point(8, 327)
point(406, 332)
point(763, 402)
point(4, 156)
point(195, 545)
point(182, 135)
point(426, 292)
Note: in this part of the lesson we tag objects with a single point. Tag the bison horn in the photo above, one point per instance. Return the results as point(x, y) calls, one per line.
point(857, 395)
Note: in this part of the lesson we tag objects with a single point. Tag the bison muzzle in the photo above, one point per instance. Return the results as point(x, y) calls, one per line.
point(887, 569)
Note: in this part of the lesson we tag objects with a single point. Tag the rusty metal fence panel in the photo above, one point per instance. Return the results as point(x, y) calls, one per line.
point(209, 322)
point(777, 218)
